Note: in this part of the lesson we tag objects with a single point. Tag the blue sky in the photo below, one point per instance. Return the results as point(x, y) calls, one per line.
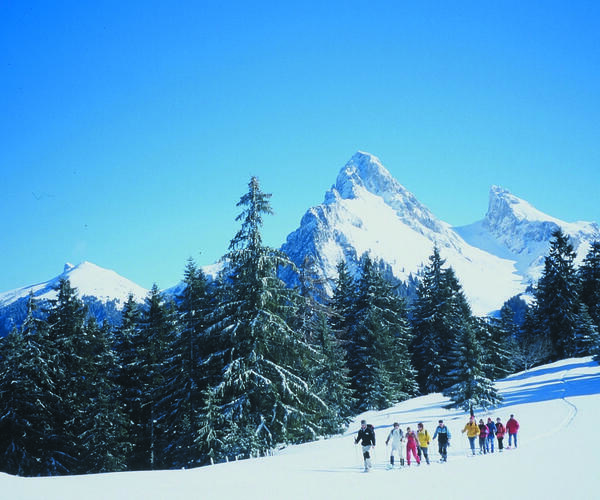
point(129, 130)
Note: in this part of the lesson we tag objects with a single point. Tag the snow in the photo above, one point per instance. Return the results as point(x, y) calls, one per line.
point(88, 279)
point(556, 405)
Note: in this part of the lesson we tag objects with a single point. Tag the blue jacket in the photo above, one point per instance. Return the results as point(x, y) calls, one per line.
point(444, 434)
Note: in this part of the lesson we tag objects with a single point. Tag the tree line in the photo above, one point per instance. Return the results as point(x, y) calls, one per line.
point(239, 365)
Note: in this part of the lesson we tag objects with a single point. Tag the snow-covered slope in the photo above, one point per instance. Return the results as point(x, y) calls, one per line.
point(556, 405)
point(368, 211)
point(515, 230)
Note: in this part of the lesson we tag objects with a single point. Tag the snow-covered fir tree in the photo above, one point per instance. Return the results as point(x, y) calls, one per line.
point(589, 276)
point(186, 378)
point(439, 314)
point(83, 374)
point(330, 377)
point(27, 395)
point(472, 388)
point(158, 329)
point(129, 348)
point(560, 317)
point(377, 345)
point(497, 346)
point(264, 394)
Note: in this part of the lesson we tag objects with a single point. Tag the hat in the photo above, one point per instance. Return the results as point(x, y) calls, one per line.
point(363, 422)
point(440, 421)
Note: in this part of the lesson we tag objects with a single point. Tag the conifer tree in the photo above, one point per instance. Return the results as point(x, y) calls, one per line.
point(330, 376)
point(158, 329)
point(27, 394)
point(343, 301)
point(66, 318)
point(104, 440)
point(561, 318)
point(265, 395)
point(129, 349)
point(497, 348)
point(188, 379)
point(471, 389)
point(589, 275)
point(378, 343)
point(439, 315)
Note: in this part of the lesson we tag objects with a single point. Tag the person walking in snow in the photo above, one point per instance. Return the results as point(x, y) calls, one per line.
point(423, 438)
point(500, 431)
point(472, 430)
point(489, 444)
point(512, 427)
point(483, 434)
point(442, 433)
point(396, 437)
point(366, 436)
point(411, 446)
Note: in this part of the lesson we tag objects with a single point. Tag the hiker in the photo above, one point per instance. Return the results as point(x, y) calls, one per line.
point(500, 431)
point(489, 444)
point(472, 430)
point(396, 437)
point(423, 439)
point(366, 435)
point(411, 446)
point(443, 434)
point(512, 426)
point(483, 434)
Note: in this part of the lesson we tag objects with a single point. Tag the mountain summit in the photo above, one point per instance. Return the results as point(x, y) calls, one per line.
point(103, 290)
point(514, 229)
point(368, 211)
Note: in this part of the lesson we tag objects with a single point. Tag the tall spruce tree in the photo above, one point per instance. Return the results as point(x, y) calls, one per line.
point(343, 301)
point(330, 377)
point(129, 349)
point(187, 379)
point(560, 316)
point(472, 388)
point(66, 318)
point(158, 329)
point(589, 276)
point(27, 394)
point(264, 394)
point(439, 315)
point(378, 342)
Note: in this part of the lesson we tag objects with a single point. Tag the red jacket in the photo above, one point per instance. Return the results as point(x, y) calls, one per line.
point(500, 430)
point(512, 426)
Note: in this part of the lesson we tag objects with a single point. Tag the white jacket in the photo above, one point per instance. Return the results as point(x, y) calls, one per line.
point(395, 436)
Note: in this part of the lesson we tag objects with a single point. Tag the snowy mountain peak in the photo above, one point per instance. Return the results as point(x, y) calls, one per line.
point(368, 211)
point(515, 229)
point(505, 205)
point(89, 280)
point(364, 170)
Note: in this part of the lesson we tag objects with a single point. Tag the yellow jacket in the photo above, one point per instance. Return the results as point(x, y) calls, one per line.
point(472, 429)
point(424, 438)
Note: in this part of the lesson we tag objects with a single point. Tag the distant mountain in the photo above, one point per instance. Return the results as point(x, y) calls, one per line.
point(368, 211)
point(515, 230)
point(103, 290)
